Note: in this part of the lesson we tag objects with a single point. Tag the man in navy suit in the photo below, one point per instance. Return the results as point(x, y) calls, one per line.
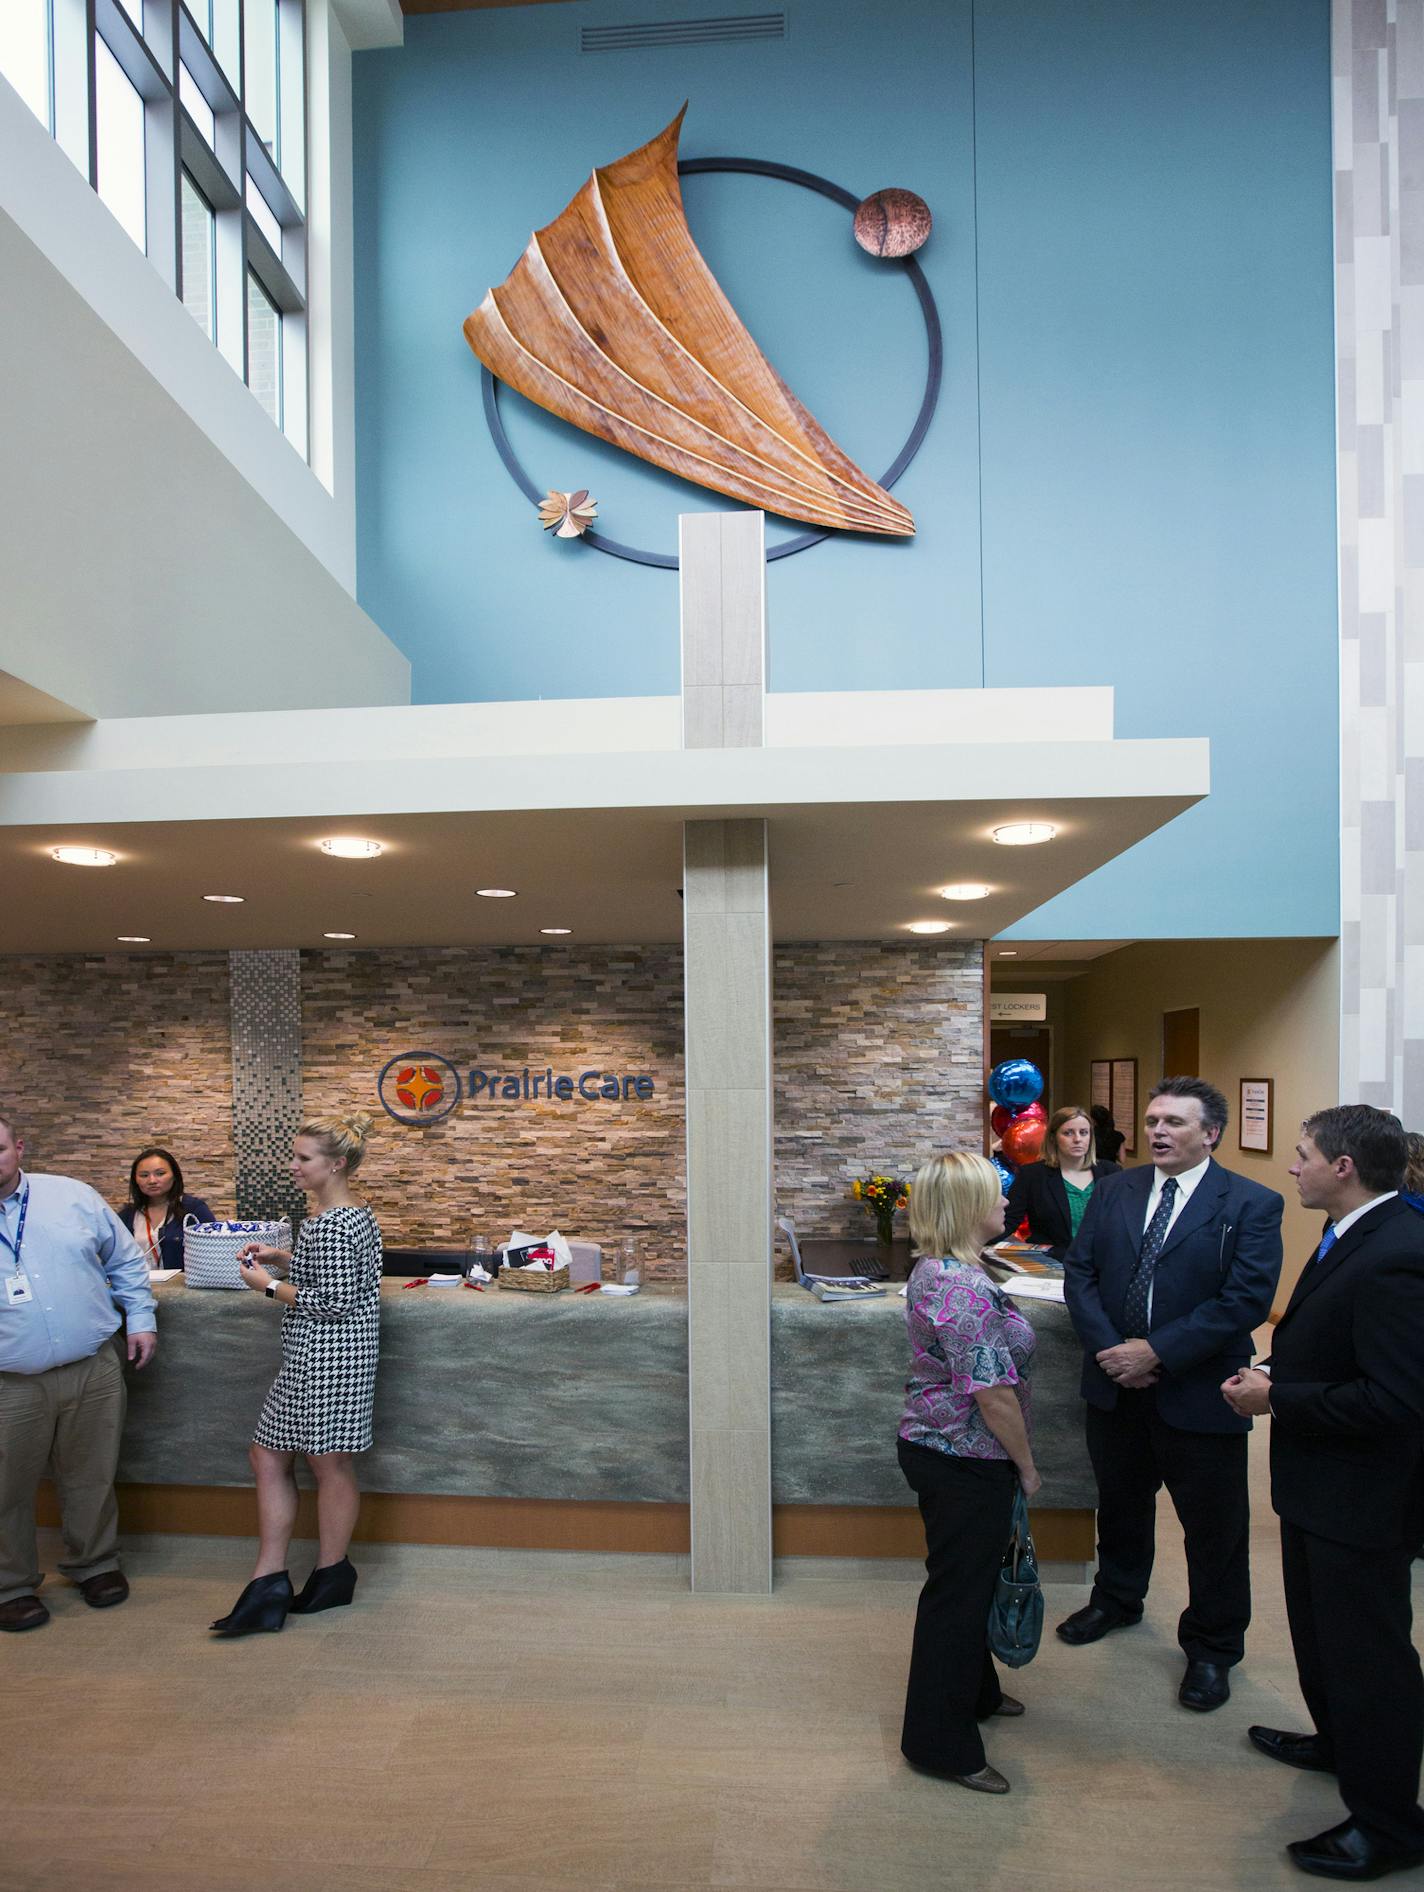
point(1345, 1391)
point(1171, 1270)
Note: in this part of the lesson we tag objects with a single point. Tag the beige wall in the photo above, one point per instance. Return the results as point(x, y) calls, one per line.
point(1269, 1008)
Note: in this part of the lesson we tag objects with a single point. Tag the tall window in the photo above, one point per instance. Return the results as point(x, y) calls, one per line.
point(190, 121)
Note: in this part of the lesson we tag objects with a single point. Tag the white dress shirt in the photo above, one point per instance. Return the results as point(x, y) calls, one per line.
point(1186, 1183)
point(1348, 1221)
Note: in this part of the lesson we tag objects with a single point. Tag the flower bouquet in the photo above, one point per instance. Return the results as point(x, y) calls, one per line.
point(882, 1195)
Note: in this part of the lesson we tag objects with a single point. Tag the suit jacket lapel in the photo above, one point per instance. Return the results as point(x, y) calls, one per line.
point(1058, 1189)
point(1132, 1194)
point(1318, 1271)
point(1200, 1206)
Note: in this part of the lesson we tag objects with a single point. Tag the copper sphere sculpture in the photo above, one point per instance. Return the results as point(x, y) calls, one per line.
point(892, 223)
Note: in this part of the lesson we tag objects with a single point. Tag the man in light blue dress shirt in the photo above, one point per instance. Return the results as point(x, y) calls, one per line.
point(68, 1270)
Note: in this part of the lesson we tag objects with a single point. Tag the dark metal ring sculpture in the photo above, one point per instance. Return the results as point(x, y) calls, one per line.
point(753, 167)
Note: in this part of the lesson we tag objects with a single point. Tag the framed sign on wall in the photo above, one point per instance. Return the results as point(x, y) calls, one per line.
point(1124, 1102)
point(1102, 1082)
point(1255, 1123)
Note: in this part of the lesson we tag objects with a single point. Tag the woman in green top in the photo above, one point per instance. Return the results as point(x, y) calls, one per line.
point(1053, 1193)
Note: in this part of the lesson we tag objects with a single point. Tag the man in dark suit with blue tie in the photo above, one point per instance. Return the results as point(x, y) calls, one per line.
point(1173, 1267)
point(1345, 1391)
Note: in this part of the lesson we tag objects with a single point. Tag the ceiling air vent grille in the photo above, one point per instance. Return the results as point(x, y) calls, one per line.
point(719, 29)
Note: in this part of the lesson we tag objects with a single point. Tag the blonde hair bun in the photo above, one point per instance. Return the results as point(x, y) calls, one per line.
point(340, 1137)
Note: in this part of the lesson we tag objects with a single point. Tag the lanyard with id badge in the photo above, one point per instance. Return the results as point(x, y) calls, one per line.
point(17, 1285)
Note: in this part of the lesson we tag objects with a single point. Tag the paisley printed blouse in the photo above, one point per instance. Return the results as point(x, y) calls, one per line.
point(965, 1335)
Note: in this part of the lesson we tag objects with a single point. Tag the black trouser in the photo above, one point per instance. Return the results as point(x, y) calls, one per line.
point(1351, 1625)
point(967, 1505)
point(1135, 1453)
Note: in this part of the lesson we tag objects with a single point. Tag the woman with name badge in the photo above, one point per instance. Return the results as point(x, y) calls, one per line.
point(157, 1207)
point(320, 1402)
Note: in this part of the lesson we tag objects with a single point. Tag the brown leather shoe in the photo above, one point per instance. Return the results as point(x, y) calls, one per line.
point(23, 1612)
point(103, 1591)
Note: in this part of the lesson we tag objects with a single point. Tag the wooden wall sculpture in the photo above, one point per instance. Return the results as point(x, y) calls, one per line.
point(612, 320)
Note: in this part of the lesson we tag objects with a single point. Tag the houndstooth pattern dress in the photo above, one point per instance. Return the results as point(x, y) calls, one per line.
point(321, 1399)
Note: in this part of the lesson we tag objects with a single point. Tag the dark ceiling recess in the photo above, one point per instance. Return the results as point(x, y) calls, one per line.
point(716, 30)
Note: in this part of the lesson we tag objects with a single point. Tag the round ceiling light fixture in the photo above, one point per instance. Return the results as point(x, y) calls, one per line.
point(225, 899)
point(1007, 952)
point(1025, 833)
point(351, 847)
point(966, 890)
point(496, 893)
point(556, 929)
point(929, 926)
point(338, 936)
point(84, 856)
point(133, 939)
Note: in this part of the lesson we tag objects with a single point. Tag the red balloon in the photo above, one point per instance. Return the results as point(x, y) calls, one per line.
point(1023, 1140)
point(1000, 1117)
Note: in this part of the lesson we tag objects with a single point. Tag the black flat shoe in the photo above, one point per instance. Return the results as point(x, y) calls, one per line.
point(1206, 1685)
point(327, 1588)
point(262, 1605)
point(986, 1780)
point(1296, 1750)
point(1092, 1622)
point(1347, 1853)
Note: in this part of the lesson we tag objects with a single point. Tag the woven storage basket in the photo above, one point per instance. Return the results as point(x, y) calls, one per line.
point(534, 1280)
point(210, 1249)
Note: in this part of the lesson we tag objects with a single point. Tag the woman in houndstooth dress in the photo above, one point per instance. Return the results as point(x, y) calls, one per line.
point(320, 1402)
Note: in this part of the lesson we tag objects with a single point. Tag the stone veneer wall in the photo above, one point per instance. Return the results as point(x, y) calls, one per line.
point(878, 1063)
point(100, 1055)
point(597, 1170)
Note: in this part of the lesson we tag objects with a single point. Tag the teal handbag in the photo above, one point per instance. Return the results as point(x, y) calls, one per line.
point(1016, 1613)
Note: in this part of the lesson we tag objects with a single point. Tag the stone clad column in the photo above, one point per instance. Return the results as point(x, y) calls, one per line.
point(727, 941)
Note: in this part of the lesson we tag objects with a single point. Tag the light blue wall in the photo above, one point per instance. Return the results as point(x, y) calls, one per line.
point(1130, 479)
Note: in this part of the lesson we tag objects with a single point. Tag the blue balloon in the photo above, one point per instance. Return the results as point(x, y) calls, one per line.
point(1015, 1083)
point(1006, 1172)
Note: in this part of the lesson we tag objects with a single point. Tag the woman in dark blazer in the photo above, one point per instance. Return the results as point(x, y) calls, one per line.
point(157, 1207)
point(1053, 1193)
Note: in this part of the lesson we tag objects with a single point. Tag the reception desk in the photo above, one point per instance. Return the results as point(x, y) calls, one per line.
point(561, 1421)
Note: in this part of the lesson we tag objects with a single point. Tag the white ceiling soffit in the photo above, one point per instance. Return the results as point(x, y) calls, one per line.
point(591, 842)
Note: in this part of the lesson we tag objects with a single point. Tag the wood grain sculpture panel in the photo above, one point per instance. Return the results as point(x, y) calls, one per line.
point(612, 320)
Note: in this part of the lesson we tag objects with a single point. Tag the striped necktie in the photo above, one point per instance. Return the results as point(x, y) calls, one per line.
point(1139, 1289)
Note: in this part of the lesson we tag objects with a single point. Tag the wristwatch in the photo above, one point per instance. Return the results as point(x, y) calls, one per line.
point(270, 1290)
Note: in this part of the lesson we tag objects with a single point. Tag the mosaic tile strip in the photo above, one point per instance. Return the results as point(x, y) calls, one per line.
point(1378, 74)
point(266, 1080)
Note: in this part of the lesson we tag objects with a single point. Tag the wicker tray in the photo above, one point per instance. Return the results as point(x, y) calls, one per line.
point(532, 1281)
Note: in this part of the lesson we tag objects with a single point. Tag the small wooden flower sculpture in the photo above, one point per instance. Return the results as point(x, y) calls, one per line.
point(569, 514)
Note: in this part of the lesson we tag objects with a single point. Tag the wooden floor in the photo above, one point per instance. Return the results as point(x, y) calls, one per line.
point(529, 1721)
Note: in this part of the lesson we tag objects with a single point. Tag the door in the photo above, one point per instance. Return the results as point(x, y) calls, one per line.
point(1181, 1043)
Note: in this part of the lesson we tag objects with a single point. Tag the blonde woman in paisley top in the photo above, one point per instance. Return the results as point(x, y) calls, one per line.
point(965, 1447)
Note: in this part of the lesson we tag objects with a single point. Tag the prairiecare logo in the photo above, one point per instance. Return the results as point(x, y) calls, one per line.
point(418, 1087)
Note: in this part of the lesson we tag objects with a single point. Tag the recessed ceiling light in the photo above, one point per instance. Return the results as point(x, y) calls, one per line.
point(225, 899)
point(556, 929)
point(496, 893)
point(351, 847)
point(133, 939)
point(338, 936)
point(1025, 833)
point(966, 890)
point(1008, 952)
point(84, 856)
point(929, 926)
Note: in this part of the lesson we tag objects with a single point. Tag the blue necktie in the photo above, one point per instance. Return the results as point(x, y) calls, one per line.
point(1139, 1289)
point(1327, 1242)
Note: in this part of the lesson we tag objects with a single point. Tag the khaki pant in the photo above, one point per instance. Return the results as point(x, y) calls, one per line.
point(69, 1420)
